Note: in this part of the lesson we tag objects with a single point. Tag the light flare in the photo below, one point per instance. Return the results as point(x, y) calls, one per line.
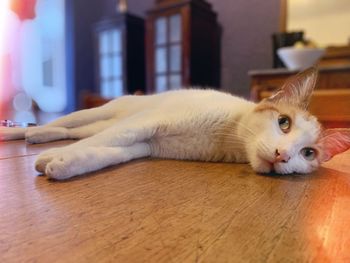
point(4, 4)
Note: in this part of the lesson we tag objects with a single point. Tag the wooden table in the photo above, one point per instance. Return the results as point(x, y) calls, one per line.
point(329, 78)
point(330, 102)
point(172, 211)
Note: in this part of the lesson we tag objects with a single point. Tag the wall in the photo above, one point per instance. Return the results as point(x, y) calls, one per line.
point(32, 58)
point(246, 40)
point(81, 15)
point(324, 21)
point(246, 43)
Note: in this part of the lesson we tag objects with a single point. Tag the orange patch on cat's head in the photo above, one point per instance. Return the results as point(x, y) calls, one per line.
point(280, 108)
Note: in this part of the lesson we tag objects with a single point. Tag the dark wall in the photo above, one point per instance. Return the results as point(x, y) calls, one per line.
point(246, 38)
point(81, 15)
point(136, 7)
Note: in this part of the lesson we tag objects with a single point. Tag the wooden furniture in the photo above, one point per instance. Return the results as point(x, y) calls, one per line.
point(92, 100)
point(172, 211)
point(331, 99)
point(336, 56)
point(183, 45)
point(119, 55)
point(284, 39)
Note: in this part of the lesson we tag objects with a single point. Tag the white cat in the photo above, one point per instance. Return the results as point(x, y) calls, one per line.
point(276, 134)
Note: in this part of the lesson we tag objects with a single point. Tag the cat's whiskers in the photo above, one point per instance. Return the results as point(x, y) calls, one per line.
point(265, 148)
point(229, 126)
point(225, 128)
point(231, 142)
point(261, 143)
point(235, 139)
point(231, 139)
point(231, 136)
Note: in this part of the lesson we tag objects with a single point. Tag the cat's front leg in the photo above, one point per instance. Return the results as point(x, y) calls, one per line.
point(67, 162)
point(12, 133)
point(46, 134)
point(45, 157)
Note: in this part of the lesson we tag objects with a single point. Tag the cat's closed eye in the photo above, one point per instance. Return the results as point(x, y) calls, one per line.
point(284, 122)
point(308, 153)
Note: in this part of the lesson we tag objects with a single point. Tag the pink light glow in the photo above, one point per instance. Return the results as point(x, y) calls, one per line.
point(3, 10)
point(32, 56)
point(4, 76)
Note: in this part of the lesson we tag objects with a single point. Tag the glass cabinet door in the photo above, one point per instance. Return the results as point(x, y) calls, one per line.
point(168, 53)
point(111, 63)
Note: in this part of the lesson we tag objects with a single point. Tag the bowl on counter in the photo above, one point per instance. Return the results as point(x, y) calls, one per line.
point(300, 58)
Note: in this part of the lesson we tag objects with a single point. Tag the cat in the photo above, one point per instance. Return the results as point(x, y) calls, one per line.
point(276, 135)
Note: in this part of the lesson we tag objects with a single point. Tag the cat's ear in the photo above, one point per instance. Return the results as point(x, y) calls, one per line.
point(297, 90)
point(333, 142)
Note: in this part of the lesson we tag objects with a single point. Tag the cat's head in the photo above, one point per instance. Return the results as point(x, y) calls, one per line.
point(288, 139)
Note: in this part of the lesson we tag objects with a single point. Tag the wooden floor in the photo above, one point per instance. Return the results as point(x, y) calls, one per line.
point(172, 211)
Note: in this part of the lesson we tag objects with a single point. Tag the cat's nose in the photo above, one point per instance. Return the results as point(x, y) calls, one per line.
point(281, 156)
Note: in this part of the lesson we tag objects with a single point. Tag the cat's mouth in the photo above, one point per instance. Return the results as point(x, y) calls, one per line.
point(272, 166)
point(268, 163)
point(275, 167)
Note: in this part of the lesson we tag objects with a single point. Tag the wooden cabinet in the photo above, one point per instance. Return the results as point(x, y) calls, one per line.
point(336, 56)
point(271, 79)
point(183, 45)
point(330, 101)
point(119, 56)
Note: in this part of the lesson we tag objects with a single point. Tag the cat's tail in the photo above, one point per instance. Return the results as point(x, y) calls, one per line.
point(12, 133)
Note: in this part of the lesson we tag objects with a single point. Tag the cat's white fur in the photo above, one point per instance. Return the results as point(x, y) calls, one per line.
point(203, 125)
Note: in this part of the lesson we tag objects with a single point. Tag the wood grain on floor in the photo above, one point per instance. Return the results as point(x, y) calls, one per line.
point(172, 211)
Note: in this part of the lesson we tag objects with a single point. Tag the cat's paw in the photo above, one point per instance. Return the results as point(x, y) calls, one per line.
point(11, 133)
point(66, 164)
point(44, 158)
point(45, 134)
point(41, 162)
point(5, 134)
point(58, 168)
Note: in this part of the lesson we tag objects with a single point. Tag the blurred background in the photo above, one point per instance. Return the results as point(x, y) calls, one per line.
point(57, 56)
point(33, 58)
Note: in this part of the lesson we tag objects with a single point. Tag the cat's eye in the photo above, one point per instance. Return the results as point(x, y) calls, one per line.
point(308, 153)
point(285, 123)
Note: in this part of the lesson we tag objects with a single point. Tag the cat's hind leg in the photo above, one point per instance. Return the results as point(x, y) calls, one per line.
point(48, 133)
point(89, 121)
point(84, 117)
point(65, 164)
point(59, 129)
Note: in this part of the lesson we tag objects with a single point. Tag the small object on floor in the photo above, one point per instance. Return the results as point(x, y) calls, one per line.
point(9, 123)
